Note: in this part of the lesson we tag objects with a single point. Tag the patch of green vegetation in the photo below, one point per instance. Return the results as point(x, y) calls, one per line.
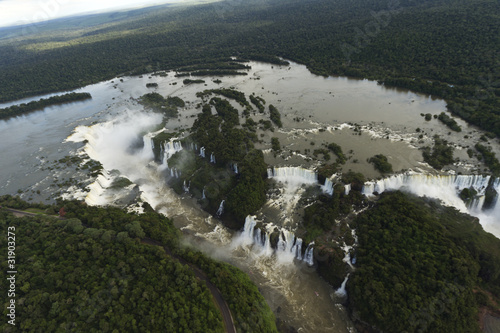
point(258, 102)
point(120, 182)
point(450, 122)
point(489, 158)
point(337, 150)
point(275, 144)
point(238, 96)
point(275, 116)
point(189, 81)
point(381, 163)
point(157, 103)
point(440, 155)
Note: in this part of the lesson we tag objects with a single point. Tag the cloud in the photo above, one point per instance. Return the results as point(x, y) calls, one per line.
point(17, 12)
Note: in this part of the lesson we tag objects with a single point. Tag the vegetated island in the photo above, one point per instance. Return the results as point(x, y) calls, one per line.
point(16, 110)
point(96, 269)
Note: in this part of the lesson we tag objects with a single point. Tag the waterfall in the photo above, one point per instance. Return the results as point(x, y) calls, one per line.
point(446, 188)
point(220, 211)
point(186, 186)
point(443, 187)
point(235, 168)
point(96, 195)
point(288, 248)
point(296, 176)
point(347, 189)
point(309, 254)
point(168, 149)
point(203, 194)
point(202, 152)
point(341, 291)
point(212, 158)
point(328, 186)
point(293, 175)
point(147, 149)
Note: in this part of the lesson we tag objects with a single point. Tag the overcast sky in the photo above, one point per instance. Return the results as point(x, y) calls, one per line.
point(16, 12)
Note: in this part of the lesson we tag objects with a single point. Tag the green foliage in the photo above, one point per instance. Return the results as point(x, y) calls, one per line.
point(441, 154)
point(120, 182)
point(275, 144)
point(258, 102)
point(411, 275)
point(158, 103)
point(489, 158)
point(450, 122)
point(380, 163)
point(16, 110)
point(275, 116)
point(82, 279)
point(238, 96)
point(189, 81)
point(250, 311)
point(92, 272)
point(337, 150)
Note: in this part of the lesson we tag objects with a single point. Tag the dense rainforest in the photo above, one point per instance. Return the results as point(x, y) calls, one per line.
point(422, 267)
point(446, 48)
point(101, 270)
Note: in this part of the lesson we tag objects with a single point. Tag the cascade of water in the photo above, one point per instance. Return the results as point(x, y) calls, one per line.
point(309, 254)
point(169, 148)
point(296, 176)
point(235, 168)
point(293, 175)
point(328, 186)
point(95, 197)
point(202, 151)
point(203, 194)
point(220, 211)
point(347, 189)
point(287, 249)
point(444, 187)
point(147, 149)
point(186, 186)
point(341, 291)
point(212, 158)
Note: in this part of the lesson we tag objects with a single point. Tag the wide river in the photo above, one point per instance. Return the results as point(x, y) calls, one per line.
point(315, 111)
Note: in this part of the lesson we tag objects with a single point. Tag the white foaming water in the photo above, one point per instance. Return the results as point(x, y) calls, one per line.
point(168, 149)
point(220, 211)
point(288, 247)
point(347, 189)
point(295, 176)
point(341, 291)
point(108, 143)
point(447, 189)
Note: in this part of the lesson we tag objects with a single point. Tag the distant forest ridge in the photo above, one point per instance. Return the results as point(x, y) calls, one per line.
point(447, 48)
